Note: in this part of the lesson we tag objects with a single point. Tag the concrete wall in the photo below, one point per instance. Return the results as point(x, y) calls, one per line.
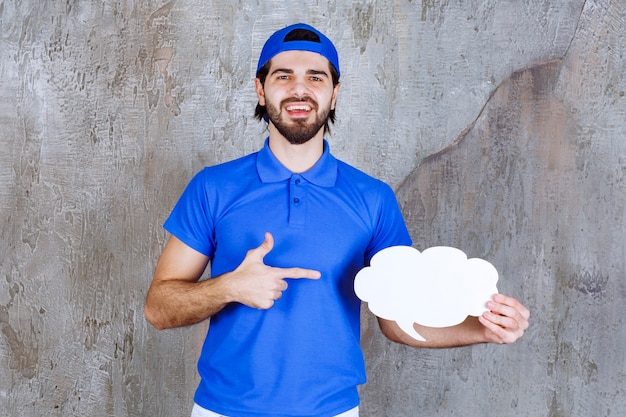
point(501, 124)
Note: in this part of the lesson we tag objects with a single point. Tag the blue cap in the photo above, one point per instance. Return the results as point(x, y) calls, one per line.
point(277, 44)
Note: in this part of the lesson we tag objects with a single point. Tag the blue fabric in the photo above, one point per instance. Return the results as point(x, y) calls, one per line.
point(276, 44)
point(302, 357)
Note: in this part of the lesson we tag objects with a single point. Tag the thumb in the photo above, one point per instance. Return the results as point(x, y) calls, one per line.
point(267, 245)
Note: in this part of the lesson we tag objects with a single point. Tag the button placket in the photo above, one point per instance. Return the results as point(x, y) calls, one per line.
point(296, 200)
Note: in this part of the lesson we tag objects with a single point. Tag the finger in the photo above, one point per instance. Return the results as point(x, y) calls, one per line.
point(502, 321)
point(277, 286)
point(499, 334)
point(298, 273)
point(505, 330)
point(267, 245)
point(503, 310)
point(511, 308)
point(512, 302)
point(507, 317)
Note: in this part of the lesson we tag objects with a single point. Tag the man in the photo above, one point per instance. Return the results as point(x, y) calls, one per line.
point(286, 229)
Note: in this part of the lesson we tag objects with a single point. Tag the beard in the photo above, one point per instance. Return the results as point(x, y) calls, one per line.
point(297, 132)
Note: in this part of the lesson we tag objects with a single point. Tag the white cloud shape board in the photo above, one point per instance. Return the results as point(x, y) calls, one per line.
point(438, 287)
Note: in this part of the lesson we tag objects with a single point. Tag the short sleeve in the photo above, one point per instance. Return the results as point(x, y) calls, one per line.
point(390, 228)
point(191, 220)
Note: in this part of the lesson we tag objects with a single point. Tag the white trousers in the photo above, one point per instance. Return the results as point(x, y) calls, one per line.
point(202, 412)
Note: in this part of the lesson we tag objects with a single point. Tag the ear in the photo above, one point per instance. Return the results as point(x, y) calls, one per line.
point(259, 91)
point(333, 100)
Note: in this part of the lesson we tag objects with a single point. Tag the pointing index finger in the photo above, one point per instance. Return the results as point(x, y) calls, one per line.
point(298, 273)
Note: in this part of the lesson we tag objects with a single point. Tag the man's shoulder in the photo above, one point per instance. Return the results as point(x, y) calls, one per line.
point(227, 169)
point(241, 162)
point(356, 176)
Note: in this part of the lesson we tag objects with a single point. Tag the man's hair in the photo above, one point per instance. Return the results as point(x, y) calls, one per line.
point(260, 112)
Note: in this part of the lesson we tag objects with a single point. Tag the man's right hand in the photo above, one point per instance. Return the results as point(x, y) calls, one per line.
point(257, 285)
point(177, 298)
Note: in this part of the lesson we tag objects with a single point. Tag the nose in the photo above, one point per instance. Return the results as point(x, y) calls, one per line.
point(299, 87)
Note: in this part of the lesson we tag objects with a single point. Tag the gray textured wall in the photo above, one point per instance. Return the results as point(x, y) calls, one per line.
point(501, 124)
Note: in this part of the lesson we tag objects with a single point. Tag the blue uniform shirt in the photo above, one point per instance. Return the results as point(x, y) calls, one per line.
point(302, 357)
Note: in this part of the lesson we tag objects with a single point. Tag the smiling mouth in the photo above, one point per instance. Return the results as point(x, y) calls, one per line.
point(299, 111)
point(298, 108)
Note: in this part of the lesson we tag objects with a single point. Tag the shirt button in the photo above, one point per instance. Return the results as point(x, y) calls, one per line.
point(298, 181)
point(296, 200)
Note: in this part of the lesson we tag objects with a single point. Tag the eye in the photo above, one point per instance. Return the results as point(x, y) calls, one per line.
point(281, 76)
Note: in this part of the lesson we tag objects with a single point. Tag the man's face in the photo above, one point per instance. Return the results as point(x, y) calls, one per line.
point(298, 94)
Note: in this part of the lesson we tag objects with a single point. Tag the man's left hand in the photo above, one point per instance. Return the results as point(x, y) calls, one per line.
point(506, 321)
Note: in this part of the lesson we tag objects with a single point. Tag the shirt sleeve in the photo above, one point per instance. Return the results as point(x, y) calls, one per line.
point(191, 220)
point(390, 228)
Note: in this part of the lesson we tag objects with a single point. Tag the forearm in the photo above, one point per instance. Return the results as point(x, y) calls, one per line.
point(175, 303)
point(505, 322)
point(470, 332)
point(176, 297)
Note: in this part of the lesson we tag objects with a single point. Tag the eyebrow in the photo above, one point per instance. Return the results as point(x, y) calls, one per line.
point(290, 71)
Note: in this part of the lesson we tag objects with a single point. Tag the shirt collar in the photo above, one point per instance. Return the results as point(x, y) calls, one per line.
point(323, 173)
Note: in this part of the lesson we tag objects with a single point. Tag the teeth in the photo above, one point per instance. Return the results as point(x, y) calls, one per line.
point(297, 108)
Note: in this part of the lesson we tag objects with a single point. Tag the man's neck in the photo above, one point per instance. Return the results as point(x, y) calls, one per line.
point(297, 158)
